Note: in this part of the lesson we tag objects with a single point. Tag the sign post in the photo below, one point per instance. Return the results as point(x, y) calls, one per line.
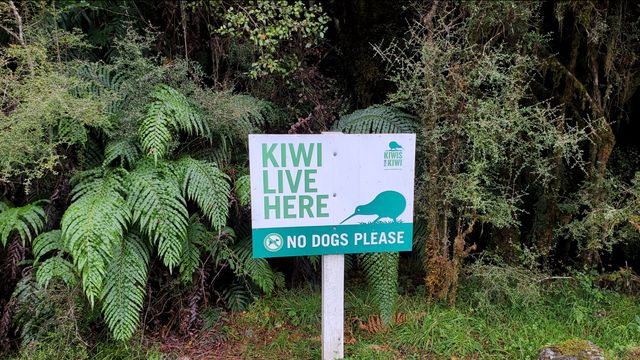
point(330, 195)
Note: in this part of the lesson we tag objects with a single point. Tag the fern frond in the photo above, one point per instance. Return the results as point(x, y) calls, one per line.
point(236, 296)
point(3, 206)
point(56, 267)
point(207, 186)
point(236, 116)
point(160, 209)
point(243, 190)
point(94, 225)
point(377, 119)
point(170, 111)
point(125, 149)
point(27, 220)
point(258, 270)
point(100, 80)
point(124, 289)
point(46, 242)
point(197, 236)
point(155, 132)
point(381, 271)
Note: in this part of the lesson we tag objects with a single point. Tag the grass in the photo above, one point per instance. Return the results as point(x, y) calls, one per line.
point(501, 313)
point(517, 326)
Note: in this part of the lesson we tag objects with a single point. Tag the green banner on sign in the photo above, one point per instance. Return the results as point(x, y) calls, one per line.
point(339, 239)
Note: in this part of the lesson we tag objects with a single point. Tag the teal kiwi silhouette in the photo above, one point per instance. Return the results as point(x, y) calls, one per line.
point(394, 146)
point(387, 204)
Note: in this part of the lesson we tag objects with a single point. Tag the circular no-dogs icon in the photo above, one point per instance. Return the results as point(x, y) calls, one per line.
point(273, 242)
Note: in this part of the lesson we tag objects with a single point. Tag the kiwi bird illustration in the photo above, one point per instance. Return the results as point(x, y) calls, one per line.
point(387, 204)
point(394, 146)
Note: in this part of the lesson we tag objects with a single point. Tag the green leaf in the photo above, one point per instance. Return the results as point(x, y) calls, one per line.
point(207, 186)
point(26, 220)
point(124, 290)
point(46, 242)
point(171, 111)
point(125, 149)
point(381, 271)
point(377, 119)
point(160, 209)
point(243, 190)
point(94, 225)
point(56, 267)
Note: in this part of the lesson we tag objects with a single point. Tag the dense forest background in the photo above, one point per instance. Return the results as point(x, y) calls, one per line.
point(124, 195)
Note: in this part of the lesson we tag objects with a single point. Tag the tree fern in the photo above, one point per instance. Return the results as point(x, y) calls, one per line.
point(94, 225)
point(377, 119)
point(125, 149)
point(159, 208)
point(171, 111)
point(243, 190)
point(208, 187)
point(124, 289)
point(381, 270)
point(26, 220)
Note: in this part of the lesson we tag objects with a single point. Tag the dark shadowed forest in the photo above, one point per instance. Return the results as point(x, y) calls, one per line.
point(125, 222)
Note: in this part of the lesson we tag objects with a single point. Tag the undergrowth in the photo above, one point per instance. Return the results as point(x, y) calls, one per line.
point(501, 313)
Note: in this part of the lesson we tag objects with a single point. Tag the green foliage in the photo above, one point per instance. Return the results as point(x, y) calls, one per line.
point(171, 111)
point(125, 149)
point(236, 296)
point(208, 186)
point(258, 270)
point(27, 220)
point(56, 267)
point(160, 209)
point(604, 212)
point(273, 27)
point(377, 119)
point(196, 239)
point(124, 289)
point(94, 225)
point(243, 190)
point(381, 271)
point(47, 107)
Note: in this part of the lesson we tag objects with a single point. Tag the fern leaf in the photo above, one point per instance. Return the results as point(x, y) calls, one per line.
point(236, 296)
point(124, 289)
point(125, 149)
point(160, 209)
point(26, 220)
point(258, 270)
point(170, 111)
point(377, 119)
point(155, 133)
point(101, 81)
point(381, 271)
point(56, 267)
point(243, 190)
point(46, 242)
point(93, 225)
point(208, 187)
point(197, 236)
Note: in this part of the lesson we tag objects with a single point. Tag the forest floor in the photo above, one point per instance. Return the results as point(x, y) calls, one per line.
point(493, 319)
point(287, 326)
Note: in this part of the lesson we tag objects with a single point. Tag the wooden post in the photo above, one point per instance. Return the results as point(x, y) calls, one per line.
point(332, 307)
